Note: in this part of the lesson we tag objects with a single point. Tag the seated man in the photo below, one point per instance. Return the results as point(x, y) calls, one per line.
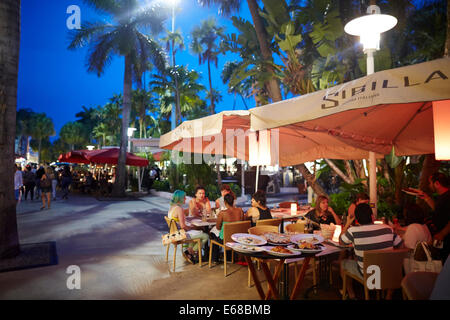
point(367, 236)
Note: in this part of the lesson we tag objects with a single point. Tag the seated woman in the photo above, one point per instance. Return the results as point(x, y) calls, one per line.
point(259, 210)
point(322, 214)
point(176, 213)
point(415, 230)
point(200, 203)
point(224, 190)
point(360, 198)
point(230, 214)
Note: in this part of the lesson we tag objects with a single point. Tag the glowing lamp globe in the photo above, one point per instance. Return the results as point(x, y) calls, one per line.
point(370, 26)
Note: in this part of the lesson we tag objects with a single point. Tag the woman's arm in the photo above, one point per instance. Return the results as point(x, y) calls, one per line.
point(208, 206)
point(179, 213)
point(337, 220)
point(219, 220)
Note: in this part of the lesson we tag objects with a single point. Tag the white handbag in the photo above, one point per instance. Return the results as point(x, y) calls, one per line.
point(430, 265)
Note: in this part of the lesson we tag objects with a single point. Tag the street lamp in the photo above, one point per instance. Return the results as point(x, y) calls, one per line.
point(130, 133)
point(90, 148)
point(369, 28)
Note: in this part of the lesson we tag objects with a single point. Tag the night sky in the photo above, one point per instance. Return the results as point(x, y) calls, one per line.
point(54, 80)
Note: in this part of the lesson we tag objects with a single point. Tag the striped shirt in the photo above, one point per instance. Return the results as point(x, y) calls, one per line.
point(370, 237)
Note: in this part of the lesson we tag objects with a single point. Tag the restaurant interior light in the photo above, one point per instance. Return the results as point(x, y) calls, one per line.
point(441, 120)
point(370, 26)
point(337, 233)
point(293, 209)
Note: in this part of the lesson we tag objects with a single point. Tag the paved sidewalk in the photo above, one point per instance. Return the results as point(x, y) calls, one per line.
point(118, 247)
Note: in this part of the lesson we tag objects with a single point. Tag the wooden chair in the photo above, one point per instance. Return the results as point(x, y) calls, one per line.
point(287, 204)
point(418, 285)
point(268, 222)
point(174, 228)
point(228, 230)
point(390, 263)
point(295, 228)
point(259, 230)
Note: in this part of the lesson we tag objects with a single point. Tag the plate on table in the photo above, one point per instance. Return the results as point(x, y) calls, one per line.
point(277, 239)
point(307, 237)
point(248, 239)
point(244, 248)
point(307, 247)
point(280, 251)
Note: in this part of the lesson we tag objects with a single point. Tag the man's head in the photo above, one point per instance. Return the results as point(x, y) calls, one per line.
point(363, 213)
point(438, 182)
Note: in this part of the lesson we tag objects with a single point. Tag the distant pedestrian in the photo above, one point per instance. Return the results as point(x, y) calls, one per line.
point(29, 182)
point(46, 187)
point(18, 183)
point(54, 183)
point(66, 181)
point(152, 177)
point(39, 173)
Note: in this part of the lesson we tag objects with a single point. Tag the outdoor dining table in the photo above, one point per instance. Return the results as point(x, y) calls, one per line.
point(282, 268)
point(285, 215)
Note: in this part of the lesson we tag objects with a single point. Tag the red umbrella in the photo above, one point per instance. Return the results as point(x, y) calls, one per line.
point(78, 156)
point(110, 156)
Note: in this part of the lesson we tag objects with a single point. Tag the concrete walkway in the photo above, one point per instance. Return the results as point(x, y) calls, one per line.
point(117, 245)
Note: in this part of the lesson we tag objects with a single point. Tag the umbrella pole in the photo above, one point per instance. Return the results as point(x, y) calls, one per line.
point(257, 177)
point(373, 182)
point(242, 179)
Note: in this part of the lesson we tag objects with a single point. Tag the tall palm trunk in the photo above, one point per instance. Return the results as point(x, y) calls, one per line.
point(212, 108)
point(273, 87)
point(177, 91)
point(119, 185)
point(9, 65)
point(39, 150)
point(447, 41)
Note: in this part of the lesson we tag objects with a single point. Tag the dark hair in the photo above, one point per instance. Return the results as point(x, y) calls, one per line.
point(225, 187)
point(441, 178)
point(363, 213)
point(414, 214)
point(199, 188)
point(361, 196)
point(260, 196)
point(229, 199)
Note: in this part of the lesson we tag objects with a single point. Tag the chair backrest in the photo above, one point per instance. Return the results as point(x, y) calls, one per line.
point(172, 226)
point(419, 285)
point(286, 204)
point(259, 230)
point(234, 227)
point(390, 263)
point(295, 227)
point(268, 222)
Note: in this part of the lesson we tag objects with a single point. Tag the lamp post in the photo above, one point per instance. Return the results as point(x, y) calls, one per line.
point(369, 29)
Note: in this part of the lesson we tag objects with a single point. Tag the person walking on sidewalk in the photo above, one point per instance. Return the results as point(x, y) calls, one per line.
point(66, 181)
point(46, 187)
point(18, 183)
point(29, 182)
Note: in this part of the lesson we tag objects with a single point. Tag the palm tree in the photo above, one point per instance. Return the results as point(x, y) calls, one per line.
point(174, 42)
point(141, 99)
point(9, 64)
point(204, 43)
point(72, 133)
point(124, 38)
point(23, 125)
point(42, 128)
point(188, 87)
point(227, 7)
point(88, 118)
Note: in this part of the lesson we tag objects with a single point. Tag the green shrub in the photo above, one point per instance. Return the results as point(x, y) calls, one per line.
point(162, 185)
point(212, 192)
point(236, 189)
